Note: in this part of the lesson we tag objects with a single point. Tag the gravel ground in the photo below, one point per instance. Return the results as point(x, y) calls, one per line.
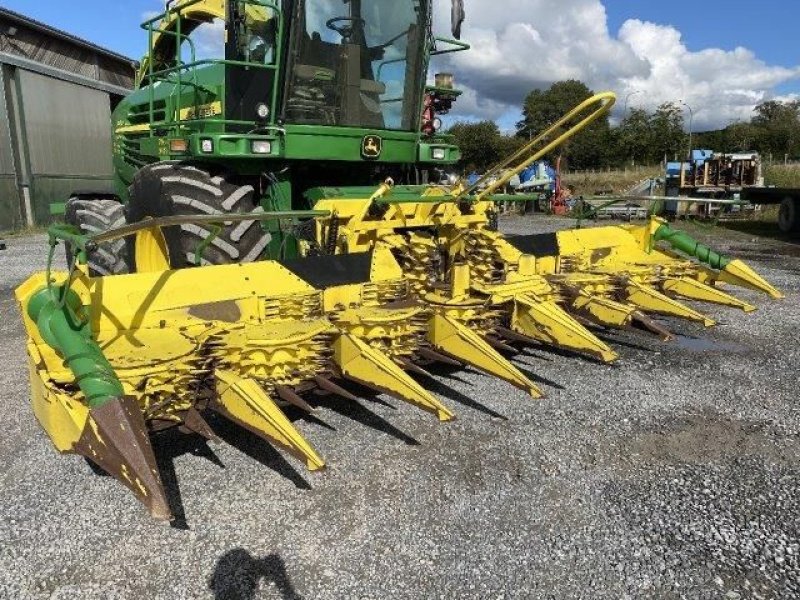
point(673, 474)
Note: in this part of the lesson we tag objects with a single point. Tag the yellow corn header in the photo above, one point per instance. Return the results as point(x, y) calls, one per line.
point(413, 276)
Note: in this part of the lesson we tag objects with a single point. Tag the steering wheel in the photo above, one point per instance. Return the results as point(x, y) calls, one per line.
point(345, 26)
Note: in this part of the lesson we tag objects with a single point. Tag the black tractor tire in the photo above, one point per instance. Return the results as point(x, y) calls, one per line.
point(789, 215)
point(178, 188)
point(96, 215)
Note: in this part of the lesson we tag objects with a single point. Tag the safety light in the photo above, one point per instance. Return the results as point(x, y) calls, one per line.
point(261, 147)
point(262, 111)
point(178, 146)
point(437, 124)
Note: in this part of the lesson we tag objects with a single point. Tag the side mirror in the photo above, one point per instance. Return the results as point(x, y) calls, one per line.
point(458, 15)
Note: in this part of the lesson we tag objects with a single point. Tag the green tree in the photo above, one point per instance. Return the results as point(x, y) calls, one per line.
point(508, 145)
point(593, 147)
point(480, 143)
point(742, 137)
point(667, 127)
point(635, 137)
point(777, 127)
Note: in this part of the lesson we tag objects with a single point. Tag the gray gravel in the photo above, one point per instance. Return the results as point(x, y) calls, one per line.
point(673, 474)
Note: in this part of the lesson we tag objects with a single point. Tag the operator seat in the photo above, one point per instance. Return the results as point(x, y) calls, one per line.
point(313, 89)
point(317, 94)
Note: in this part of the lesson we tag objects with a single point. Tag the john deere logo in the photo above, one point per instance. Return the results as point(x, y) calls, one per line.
point(371, 146)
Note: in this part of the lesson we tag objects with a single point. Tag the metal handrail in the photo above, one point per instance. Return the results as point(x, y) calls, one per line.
point(459, 46)
point(180, 67)
point(89, 243)
point(211, 61)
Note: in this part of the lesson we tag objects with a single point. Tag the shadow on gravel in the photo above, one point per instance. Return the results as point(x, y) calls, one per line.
point(168, 446)
point(539, 379)
point(763, 229)
point(237, 576)
point(542, 354)
point(613, 341)
point(557, 353)
point(258, 449)
point(437, 388)
point(360, 414)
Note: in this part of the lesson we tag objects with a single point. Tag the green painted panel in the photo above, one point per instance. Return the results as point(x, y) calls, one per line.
point(341, 143)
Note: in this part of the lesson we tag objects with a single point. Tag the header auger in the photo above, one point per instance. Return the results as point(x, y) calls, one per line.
point(208, 285)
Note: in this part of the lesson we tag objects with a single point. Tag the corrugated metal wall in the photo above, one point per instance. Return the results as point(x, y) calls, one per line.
point(10, 215)
point(41, 44)
point(68, 132)
point(55, 118)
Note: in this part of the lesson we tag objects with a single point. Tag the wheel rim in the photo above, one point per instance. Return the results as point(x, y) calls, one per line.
point(151, 252)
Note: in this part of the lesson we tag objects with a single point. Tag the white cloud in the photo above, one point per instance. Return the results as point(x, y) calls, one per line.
point(530, 44)
point(208, 38)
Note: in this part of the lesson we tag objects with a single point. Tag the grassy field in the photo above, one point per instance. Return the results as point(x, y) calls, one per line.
point(587, 183)
point(782, 175)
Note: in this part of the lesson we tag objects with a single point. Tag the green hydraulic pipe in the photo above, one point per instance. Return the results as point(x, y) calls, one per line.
point(71, 235)
point(72, 340)
point(685, 243)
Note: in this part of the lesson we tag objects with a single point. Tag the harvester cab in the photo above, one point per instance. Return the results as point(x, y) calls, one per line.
point(273, 240)
point(295, 94)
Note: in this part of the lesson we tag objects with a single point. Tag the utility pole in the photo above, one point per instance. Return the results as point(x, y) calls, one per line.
point(628, 97)
point(625, 115)
point(691, 127)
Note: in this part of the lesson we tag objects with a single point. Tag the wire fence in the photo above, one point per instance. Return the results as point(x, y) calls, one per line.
point(644, 170)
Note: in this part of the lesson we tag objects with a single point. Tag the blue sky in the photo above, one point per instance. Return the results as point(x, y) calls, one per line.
point(113, 24)
point(664, 51)
point(768, 27)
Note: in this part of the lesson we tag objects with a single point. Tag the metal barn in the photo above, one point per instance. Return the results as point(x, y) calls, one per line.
point(56, 96)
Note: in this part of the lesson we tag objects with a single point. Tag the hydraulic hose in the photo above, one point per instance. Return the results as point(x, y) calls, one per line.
point(686, 244)
point(72, 340)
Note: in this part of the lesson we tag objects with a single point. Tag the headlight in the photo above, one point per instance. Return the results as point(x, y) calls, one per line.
point(178, 146)
point(262, 111)
point(207, 146)
point(439, 154)
point(437, 124)
point(261, 147)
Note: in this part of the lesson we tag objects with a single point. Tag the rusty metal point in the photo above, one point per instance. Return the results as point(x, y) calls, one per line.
point(331, 387)
point(289, 395)
point(414, 368)
point(115, 439)
point(517, 337)
point(500, 345)
point(194, 422)
point(650, 325)
point(434, 356)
